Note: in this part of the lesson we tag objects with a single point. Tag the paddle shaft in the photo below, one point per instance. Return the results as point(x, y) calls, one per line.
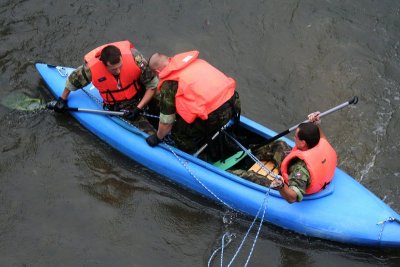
point(97, 111)
point(122, 112)
point(205, 145)
point(201, 149)
point(354, 101)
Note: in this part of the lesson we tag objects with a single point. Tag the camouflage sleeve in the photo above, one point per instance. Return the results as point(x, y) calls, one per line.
point(79, 78)
point(167, 102)
point(147, 76)
point(275, 151)
point(299, 178)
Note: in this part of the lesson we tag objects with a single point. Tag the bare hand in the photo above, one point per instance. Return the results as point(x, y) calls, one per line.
point(277, 183)
point(314, 117)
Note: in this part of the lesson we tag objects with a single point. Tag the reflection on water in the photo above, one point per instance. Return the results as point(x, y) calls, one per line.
point(291, 257)
point(111, 191)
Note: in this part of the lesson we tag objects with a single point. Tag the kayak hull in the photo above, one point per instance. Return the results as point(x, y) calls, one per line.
point(345, 212)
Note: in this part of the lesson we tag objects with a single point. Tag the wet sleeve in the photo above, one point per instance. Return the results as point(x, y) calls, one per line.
point(147, 76)
point(299, 179)
point(167, 102)
point(79, 78)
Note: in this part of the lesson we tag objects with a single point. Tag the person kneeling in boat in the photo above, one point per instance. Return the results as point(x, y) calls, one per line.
point(196, 100)
point(122, 76)
point(306, 169)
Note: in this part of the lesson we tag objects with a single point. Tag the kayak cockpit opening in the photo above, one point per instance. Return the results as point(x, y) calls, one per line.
point(224, 153)
point(247, 164)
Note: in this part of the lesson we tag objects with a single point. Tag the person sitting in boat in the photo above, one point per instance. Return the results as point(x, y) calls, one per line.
point(196, 100)
point(306, 169)
point(122, 76)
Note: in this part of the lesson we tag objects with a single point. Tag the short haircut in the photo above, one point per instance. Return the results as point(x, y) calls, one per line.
point(154, 54)
point(153, 64)
point(309, 132)
point(110, 54)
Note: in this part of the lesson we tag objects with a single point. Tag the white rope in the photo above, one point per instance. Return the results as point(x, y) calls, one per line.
point(264, 204)
point(390, 219)
point(150, 115)
point(228, 236)
point(259, 227)
point(184, 164)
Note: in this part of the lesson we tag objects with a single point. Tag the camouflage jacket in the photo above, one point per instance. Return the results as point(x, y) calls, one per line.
point(299, 178)
point(167, 102)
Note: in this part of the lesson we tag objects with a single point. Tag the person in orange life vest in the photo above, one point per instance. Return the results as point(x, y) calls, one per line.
point(196, 100)
point(312, 158)
point(122, 76)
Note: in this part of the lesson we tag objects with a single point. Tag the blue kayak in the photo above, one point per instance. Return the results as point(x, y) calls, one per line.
point(345, 211)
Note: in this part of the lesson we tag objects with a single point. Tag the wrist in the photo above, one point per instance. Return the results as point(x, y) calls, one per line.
point(280, 187)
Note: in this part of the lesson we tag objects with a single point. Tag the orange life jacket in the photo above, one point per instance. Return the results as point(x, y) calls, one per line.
point(107, 84)
point(201, 87)
point(321, 162)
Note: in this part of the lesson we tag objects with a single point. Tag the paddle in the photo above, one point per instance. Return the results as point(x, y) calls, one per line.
point(232, 160)
point(230, 122)
point(51, 104)
point(353, 101)
point(21, 101)
point(98, 111)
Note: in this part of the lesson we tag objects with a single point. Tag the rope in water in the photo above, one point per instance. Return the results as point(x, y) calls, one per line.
point(263, 206)
point(223, 245)
point(265, 201)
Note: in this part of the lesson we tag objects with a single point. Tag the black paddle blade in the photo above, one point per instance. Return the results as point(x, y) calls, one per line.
point(354, 100)
point(51, 104)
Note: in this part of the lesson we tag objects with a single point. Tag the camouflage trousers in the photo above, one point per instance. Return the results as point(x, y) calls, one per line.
point(141, 122)
point(275, 152)
point(191, 137)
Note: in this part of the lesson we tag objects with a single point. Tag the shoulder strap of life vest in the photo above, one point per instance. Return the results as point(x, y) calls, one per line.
point(202, 88)
point(109, 87)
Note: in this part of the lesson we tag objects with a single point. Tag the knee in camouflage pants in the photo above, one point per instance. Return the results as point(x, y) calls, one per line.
point(141, 122)
point(275, 152)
